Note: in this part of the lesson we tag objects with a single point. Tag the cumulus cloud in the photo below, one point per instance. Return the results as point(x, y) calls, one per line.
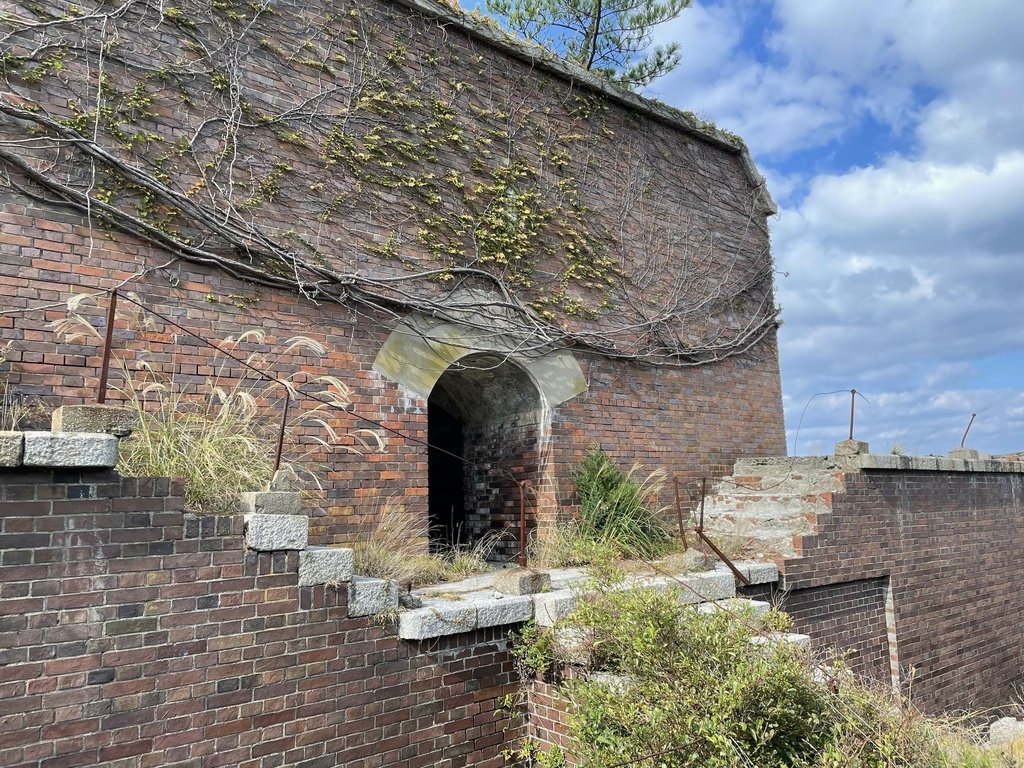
point(905, 268)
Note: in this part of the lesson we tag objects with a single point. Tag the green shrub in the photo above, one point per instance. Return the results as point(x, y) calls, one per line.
point(694, 690)
point(619, 510)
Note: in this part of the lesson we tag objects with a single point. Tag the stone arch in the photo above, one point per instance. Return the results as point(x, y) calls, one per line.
point(494, 402)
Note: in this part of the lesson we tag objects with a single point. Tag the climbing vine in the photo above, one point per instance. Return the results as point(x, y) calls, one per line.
point(375, 157)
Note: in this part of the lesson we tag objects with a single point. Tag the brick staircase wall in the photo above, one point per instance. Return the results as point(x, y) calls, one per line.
point(133, 635)
point(912, 569)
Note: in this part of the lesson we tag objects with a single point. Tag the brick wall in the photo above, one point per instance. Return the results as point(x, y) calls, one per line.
point(547, 716)
point(699, 211)
point(134, 635)
point(948, 545)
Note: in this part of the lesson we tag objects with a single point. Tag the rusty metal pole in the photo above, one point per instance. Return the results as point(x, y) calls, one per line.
point(679, 515)
point(101, 397)
point(703, 493)
point(280, 433)
point(853, 400)
point(969, 424)
point(522, 522)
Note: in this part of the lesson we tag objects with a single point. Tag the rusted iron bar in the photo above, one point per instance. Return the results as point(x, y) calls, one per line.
point(964, 438)
point(280, 432)
point(714, 547)
point(703, 493)
point(724, 558)
point(853, 400)
point(679, 515)
point(101, 397)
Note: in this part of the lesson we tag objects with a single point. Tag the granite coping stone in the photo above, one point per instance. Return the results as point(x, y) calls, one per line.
point(270, 533)
point(12, 445)
point(325, 565)
point(69, 449)
point(437, 618)
point(371, 597)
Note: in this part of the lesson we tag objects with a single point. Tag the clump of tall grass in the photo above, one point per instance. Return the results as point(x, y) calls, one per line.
point(219, 433)
point(16, 411)
point(620, 509)
point(394, 548)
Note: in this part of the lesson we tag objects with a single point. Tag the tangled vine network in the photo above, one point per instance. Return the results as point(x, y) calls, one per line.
point(374, 156)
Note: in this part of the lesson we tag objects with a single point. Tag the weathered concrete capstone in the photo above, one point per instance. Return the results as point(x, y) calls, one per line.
point(325, 565)
point(491, 612)
point(851, 448)
point(963, 453)
point(114, 420)
point(270, 533)
point(272, 503)
point(437, 618)
point(69, 449)
point(371, 597)
point(551, 607)
point(522, 581)
point(1005, 729)
point(12, 445)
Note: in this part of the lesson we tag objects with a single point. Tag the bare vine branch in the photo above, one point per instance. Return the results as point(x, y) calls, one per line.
point(393, 174)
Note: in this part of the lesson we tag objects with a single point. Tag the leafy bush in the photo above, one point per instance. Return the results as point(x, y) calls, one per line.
point(695, 689)
point(618, 509)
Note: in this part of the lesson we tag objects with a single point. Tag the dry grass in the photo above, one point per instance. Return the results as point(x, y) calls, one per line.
point(394, 549)
point(15, 411)
point(220, 434)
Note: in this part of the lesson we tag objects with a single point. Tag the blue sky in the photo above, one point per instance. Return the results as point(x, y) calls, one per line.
point(892, 136)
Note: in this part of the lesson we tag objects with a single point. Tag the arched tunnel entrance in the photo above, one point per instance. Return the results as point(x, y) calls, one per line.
point(488, 410)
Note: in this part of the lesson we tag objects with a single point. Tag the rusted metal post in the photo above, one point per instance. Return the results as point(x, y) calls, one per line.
point(101, 397)
point(724, 558)
point(703, 493)
point(853, 400)
point(964, 438)
point(714, 548)
point(280, 433)
point(679, 515)
point(522, 522)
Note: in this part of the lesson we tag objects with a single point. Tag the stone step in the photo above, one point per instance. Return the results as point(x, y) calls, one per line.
point(765, 507)
point(742, 607)
point(325, 565)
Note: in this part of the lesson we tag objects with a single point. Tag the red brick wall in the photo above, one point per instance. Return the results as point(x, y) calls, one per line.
point(547, 717)
point(949, 545)
point(134, 635)
point(698, 212)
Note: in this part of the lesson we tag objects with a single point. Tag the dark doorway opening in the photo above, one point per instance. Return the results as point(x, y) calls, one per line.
point(487, 410)
point(447, 480)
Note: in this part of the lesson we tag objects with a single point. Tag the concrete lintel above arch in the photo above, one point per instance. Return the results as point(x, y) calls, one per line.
point(420, 349)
